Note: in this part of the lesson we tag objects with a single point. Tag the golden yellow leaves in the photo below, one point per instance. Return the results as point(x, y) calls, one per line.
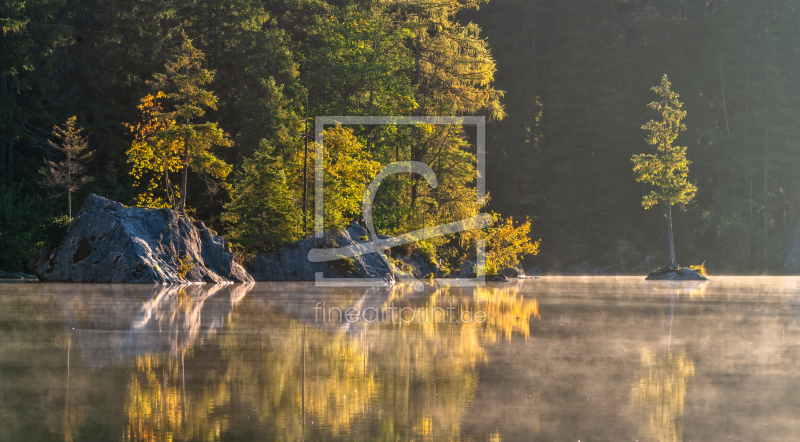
point(154, 153)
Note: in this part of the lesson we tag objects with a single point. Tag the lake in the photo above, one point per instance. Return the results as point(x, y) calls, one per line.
point(553, 359)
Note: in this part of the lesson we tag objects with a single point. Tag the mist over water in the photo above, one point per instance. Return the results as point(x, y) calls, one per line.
point(558, 358)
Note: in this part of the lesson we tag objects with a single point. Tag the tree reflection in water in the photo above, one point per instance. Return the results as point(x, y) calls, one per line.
point(202, 366)
point(659, 394)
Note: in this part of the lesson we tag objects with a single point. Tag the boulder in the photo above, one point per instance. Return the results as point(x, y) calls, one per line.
point(792, 263)
point(499, 278)
point(675, 274)
point(467, 269)
point(291, 263)
point(533, 270)
point(417, 266)
point(513, 272)
point(17, 277)
point(108, 242)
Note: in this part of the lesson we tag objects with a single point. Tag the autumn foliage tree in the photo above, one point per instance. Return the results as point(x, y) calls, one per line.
point(154, 154)
point(184, 84)
point(668, 168)
point(507, 244)
point(68, 174)
point(348, 169)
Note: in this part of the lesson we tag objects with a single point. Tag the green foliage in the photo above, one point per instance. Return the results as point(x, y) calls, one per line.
point(345, 266)
point(427, 250)
point(184, 83)
point(261, 214)
point(349, 167)
point(185, 265)
point(26, 232)
point(667, 170)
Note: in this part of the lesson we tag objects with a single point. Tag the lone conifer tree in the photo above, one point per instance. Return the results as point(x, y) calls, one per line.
point(668, 169)
point(68, 175)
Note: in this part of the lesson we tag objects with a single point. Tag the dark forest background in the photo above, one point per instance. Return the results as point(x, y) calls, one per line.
point(566, 158)
point(576, 77)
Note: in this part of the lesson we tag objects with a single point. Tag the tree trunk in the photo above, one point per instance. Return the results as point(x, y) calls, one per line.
point(533, 75)
point(669, 237)
point(69, 184)
point(167, 188)
point(766, 175)
point(184, 180)
point(305, 164)
point(748, 245)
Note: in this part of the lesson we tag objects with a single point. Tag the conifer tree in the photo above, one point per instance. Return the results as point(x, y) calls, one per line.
point(261, 214)
point(183, 84)
point(668, 169)
point(69, 174)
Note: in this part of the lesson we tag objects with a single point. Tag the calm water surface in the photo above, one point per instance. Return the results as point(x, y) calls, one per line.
point(556, 359)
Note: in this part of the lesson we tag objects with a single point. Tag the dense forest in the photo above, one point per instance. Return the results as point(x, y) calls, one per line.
point(209, 105)
point(564, 157)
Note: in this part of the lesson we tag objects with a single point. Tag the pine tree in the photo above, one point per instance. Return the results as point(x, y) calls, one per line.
point(667, 170)
point(69, 174)
point(183, 83)
point(261, 214)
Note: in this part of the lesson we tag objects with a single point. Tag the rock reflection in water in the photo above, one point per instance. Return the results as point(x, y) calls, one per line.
point(557, 359)
point(201, 366)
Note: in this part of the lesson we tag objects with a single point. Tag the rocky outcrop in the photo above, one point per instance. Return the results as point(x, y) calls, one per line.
point(513, 272)
point(416, 265)
point(292, 264)
point(676, 274)
point(108, 242)
point(792, 264)
point(467, 269)
point(534, 271)
point(17, 277)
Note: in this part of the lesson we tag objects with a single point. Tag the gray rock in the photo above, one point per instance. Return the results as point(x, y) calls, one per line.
point(792, 263)
point(499, 278)
point(675, 274)
point(291, 263)
point(584, 266)
point(467, 269)
point(108, 242)
point(533, 270)
point(17, 277)
point(417, 266)
point(512, 272)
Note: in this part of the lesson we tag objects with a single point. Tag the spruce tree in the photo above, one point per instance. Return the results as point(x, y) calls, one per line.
point(70, 173)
